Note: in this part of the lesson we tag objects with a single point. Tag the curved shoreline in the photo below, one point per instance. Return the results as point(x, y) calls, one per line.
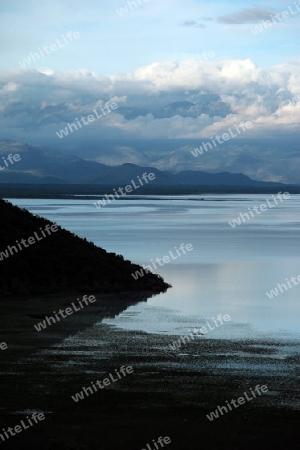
point(169, 393)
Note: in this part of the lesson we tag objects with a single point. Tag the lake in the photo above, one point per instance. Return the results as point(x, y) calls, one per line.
point(228, 271)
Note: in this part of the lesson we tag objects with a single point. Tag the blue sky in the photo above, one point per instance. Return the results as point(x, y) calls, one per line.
point(156, 31)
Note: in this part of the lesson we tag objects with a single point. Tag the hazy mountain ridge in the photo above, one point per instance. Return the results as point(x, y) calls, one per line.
point(43, 165)
point(181, 108)
point(273, 159)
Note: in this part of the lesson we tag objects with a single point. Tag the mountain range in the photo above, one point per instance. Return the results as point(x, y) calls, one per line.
point(210, 107)
point(42, 165)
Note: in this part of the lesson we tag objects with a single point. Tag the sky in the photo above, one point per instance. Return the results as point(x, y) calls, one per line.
point(146, 55)
point(154, 31)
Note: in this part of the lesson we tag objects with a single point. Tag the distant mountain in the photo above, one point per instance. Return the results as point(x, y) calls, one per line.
point(44, 165)
point(273, 159)
point(41, 165)
point(194, 178)
point(183, 109)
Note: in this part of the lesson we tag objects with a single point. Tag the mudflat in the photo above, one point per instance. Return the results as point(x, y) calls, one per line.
point(167, 393)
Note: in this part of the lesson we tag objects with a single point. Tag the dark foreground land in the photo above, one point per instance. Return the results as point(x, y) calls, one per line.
point(39, 257)
point(169, 392)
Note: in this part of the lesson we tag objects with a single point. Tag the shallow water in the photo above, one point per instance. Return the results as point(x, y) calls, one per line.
point(228, 271)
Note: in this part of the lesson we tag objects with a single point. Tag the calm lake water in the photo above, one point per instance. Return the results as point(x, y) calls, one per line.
point(228, 271)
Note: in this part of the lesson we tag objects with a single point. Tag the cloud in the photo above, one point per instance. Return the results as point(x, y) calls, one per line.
point(186, 99)
point(192, 24)
point(250, 15)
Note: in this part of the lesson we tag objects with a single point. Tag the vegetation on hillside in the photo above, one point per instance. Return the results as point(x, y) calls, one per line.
point(61, 261)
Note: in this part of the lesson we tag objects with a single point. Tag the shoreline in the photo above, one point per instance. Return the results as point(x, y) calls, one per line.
point(168, 394)
point(86, 191)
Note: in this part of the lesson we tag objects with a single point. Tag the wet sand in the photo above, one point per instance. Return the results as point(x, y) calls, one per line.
point(169, 392)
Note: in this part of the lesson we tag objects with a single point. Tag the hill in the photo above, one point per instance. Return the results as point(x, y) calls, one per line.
point(39, 257)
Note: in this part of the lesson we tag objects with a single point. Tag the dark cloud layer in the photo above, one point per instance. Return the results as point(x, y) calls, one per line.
point(250, 15)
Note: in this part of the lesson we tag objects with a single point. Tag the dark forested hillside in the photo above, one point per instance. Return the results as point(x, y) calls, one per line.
point(59, 261)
